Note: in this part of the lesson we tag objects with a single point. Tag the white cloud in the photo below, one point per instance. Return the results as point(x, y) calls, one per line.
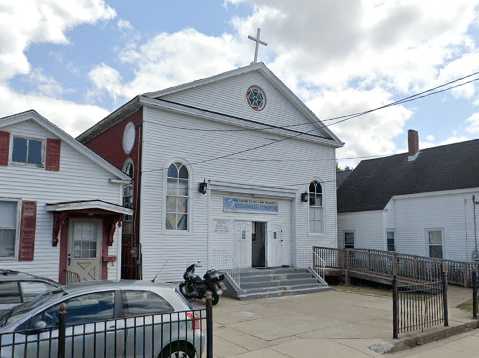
point(124, 25)
point(45, 85)
point(23, 23)
point(70, 116)
point(367, 135)
point(473, 124)
point(338, 56)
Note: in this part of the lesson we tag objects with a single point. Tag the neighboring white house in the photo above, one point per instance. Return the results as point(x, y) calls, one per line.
point(265, 206)
point(60, 203)
point(420, 202)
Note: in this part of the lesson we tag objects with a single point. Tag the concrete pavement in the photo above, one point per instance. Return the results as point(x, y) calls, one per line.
point(342, 323)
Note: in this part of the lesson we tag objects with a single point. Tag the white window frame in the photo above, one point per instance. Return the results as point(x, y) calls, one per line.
point(343, 238)
point(443, 240)
point(321, 232)
point(394, 232)
point(28, 138)
point(17, 230)
point(190, 198)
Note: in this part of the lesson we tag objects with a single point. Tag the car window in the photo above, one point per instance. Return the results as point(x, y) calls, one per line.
point(9, 293)
point(137, 303)
point(32, 289)
point(88, 308)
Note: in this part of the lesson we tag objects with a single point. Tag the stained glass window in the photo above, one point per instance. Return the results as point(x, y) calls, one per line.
point(256, 98)
point(177, 197)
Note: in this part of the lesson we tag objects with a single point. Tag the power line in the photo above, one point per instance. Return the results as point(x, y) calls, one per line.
point(423, 94)
point(410, 98)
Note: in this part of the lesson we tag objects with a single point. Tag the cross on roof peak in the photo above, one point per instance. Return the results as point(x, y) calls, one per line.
point(258, 42)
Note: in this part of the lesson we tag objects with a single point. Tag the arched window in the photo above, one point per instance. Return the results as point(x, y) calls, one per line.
point(128, 169)
point(315, 207)
point(177, 197)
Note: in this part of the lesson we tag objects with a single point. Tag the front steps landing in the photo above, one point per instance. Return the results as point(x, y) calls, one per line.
point(274, 282)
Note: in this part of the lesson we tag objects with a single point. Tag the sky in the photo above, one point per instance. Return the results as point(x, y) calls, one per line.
point(74, 61)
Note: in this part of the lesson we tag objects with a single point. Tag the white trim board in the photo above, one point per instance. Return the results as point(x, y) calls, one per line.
point(89, 204)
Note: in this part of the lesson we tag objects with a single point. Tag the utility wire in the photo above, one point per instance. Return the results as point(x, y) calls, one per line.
point(413, 97)
point(423, 94)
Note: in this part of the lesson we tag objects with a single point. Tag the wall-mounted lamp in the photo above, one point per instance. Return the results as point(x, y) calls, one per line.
point(202, 188)
point(304, 197)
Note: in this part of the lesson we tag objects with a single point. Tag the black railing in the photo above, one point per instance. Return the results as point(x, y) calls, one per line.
point(419, 306)
point(186, 334)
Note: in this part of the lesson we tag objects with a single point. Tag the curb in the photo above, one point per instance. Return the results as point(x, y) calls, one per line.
point(420, 339)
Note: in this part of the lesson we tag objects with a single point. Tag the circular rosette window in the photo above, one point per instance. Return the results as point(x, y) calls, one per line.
point(256, 98)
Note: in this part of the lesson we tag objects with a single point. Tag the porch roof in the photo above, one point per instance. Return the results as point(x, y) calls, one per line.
point(88, 205)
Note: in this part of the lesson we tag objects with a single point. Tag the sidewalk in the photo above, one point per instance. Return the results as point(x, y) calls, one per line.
point(342, 323)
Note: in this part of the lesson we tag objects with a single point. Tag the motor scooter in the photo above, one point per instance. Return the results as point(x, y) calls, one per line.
point(194, 286)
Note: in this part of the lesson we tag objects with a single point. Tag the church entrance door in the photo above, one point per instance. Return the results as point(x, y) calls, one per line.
point(259, 244)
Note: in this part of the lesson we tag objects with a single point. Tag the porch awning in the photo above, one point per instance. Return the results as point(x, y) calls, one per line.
point(89, 205)
point(111, 214)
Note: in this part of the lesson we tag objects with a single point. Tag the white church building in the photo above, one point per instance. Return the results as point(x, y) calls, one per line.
point(233, 171)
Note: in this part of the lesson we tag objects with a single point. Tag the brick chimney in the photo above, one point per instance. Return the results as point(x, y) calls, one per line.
point(413, 143)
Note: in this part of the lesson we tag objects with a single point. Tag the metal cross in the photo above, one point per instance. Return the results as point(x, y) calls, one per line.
point(258, 42)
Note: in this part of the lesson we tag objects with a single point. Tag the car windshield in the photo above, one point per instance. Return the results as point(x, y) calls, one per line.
point(18, 311)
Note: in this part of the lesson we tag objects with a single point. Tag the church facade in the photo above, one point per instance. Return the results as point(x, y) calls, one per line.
point(232, 171)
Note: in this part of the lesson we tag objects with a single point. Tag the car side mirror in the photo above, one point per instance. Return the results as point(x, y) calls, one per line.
point(40, 325)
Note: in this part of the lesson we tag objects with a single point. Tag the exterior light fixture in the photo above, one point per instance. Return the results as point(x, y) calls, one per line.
point(203, 187)
point(304, 197)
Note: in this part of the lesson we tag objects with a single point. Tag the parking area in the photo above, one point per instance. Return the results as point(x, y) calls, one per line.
point(340, 323)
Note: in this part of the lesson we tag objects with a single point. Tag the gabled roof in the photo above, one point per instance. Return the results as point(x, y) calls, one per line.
point(270, 76)
point(374, 182)
point(65, 137)
point(147, 98)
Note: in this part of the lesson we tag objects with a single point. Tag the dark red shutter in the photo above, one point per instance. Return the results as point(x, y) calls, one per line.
point(4, 147)
point(52, 161)
point(27, 231)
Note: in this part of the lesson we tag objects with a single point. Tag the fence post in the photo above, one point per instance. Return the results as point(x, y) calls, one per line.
point(444, 294)
point(474, 294)
point(209, 325)
point(347, 279)
point(395, 308)
point(61, 330)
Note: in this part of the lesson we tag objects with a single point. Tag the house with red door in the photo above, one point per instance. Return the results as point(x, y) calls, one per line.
point(61, 205)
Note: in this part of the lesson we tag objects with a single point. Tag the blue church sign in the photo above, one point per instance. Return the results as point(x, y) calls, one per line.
point(249, 205)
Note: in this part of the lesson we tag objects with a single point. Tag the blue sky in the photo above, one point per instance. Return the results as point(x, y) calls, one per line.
point(81, 59)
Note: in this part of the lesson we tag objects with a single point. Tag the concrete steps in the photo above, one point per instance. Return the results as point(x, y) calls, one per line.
point(260, 283)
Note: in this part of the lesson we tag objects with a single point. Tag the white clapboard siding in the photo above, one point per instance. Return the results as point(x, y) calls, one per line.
point(79, 178)
point(410, 216)
point(367, 226)
point(222, 96)
point(167, 253)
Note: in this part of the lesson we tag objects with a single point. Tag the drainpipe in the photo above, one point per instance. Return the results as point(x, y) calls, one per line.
point(475, 254)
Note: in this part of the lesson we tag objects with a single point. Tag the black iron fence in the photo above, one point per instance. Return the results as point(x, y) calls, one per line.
point(186, 334)
point(419, 306)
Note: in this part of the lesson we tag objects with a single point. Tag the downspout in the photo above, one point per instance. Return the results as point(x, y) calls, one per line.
point(475, 254)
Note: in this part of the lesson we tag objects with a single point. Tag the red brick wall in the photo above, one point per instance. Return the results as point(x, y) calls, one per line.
point(109, 146)
point(109, 143)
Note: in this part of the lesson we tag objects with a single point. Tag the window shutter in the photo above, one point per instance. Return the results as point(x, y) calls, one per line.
point(27, 231)
point(4, 147)
point(52, 161)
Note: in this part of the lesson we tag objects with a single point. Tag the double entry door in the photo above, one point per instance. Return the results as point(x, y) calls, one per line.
point(84, 250)
point(260, 244)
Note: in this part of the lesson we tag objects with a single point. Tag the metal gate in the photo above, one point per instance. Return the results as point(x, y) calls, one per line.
point(419, 306)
